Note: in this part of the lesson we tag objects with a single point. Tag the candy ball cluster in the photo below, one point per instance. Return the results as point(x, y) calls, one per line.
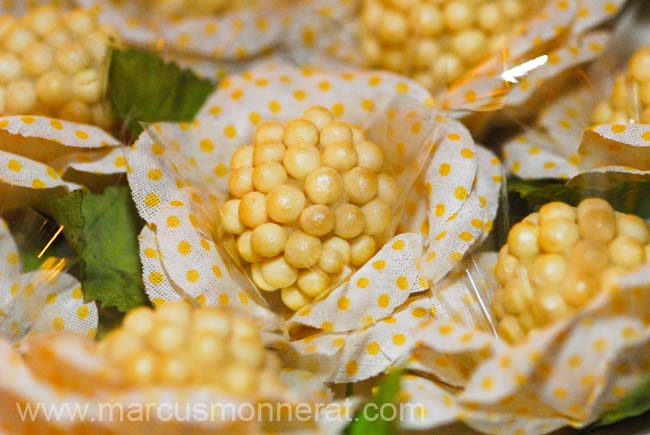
point(556, 260)
point(629, 100)
point(198, 7)
point(55, 64)
point(310, 199)
point(177, 346)
point(435, 42)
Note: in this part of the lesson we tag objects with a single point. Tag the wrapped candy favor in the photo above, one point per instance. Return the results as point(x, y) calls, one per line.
point(276, 200)
point(558, 345)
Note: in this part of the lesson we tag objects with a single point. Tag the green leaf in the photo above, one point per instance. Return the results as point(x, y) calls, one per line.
point(144, 88)
point(368, 421)
point(102, 228)
point(635, 403)
point(627, 193)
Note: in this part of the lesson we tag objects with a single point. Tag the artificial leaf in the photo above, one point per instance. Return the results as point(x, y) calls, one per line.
point(145, 88)
point(102, 228)
point(368, 420)
point(632, 405)
point(627, 193)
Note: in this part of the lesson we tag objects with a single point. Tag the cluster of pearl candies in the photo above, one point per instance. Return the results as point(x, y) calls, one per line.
point(176, 345)
point(436, 42)
point(630, 97)
point(198, 7)
point(310, 200)
point(55, 65)
point(556, 260)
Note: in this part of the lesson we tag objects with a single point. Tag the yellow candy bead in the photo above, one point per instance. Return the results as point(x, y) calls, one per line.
point(577, 288)
point(335, 132)
point(302, 250)
point(350, 221)
point(319, 116)
point(211, 322)
point(284, 203)
point(317, 220)
point(598, 225)
point(331, 261)
point(361, 185)
point(554, 210)
point(242, 157)
point(167, 338)
point(339, 245)
point(548, 270)
point(370, 156)
point(522, 240)
point(324, 186)
point(252, 209)
point(300, 161)
point(258, 278)
point(558, 235)
point(378, 216)
point(387, 189)
point(632, 226)
point(313, 282)
point(362, 249)
point(300, 133)
point(640, 65)
point(626, 252)
point(339, 156)
point(293, 298)
point(175, 370)
point(122, 345)
point(245, 248)
point(230, 217)
point(268, 175)
point(458, 15)
point(140, 321)
point(270, 151)
point(240, 181)
point(268, 131)
point(590, 256)
point(141, 368)
point(278, 272)
point(268, 239)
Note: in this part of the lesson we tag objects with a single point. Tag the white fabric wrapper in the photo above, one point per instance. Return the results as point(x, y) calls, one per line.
point(568, 374)
point(513, 75)
point(45, 300)
point(179, 182)
point(38, 153)
point(289, 28)
point(564, 144)
point(63, 371)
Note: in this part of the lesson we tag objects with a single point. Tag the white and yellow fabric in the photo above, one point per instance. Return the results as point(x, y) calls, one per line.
point(178, 176)
point(45, 300)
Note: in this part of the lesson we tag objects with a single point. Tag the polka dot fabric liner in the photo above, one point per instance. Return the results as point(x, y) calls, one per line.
point(565, 26)
point(64, 370)
point(178, 184)
point(41, 301)
point(232, 35)
point(564, 144)
point(568, 374)
point(35, 153)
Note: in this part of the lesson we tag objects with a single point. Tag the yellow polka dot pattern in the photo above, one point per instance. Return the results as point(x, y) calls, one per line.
point(57, 297)
point(54, 64)
point(185, 8)
point(436, 43)
point(629, 100)
point(309, 203)
point(557, 260)
point(175, 345)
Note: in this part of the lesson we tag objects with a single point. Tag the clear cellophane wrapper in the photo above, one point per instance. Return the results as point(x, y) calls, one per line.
point(235, 38)
point(449, 209)
point(554, 38)
point(564, 143)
